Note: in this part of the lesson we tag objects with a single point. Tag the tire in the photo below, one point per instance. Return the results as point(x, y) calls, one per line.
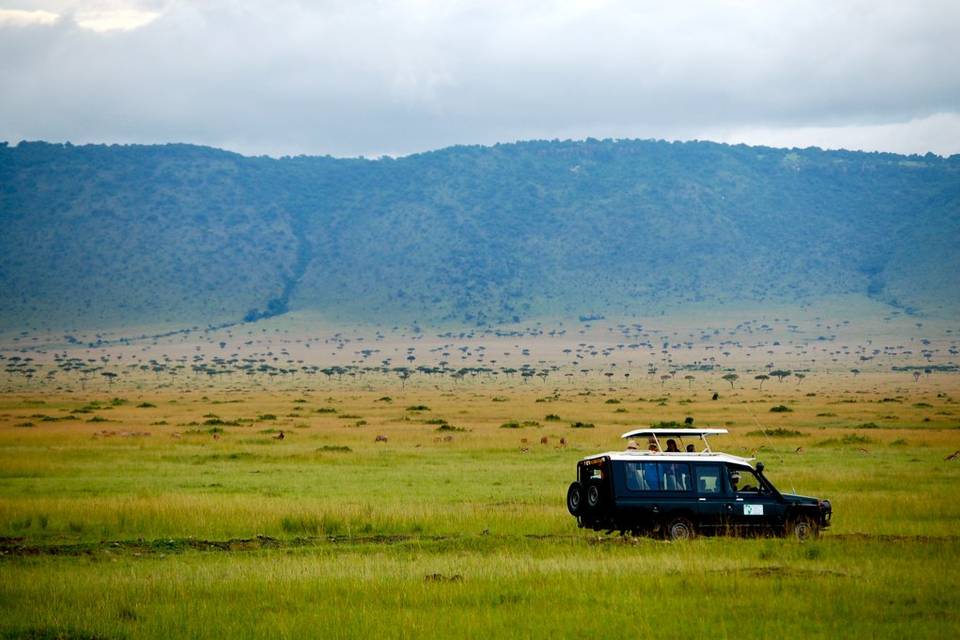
point(576, 500)
point(679, 529)
point(803, 529)
point(594, 497)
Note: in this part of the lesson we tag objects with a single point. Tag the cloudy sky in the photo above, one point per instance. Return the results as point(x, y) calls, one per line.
point(364, 77)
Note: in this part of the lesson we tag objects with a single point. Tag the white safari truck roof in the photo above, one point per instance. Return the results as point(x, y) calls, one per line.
point(649, 456)
point(637, 455)
point(680, 433)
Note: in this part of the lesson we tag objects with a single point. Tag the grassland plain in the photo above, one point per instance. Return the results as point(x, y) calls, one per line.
point(131, 512)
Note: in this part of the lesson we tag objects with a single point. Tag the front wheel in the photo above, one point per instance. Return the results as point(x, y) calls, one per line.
point(575, 499)
point(680, 528)
point(803, 529)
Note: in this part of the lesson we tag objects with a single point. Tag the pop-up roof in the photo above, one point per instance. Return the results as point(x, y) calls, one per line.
point(656, 434)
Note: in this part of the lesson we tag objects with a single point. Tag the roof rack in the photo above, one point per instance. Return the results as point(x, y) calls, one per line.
point(679, 433)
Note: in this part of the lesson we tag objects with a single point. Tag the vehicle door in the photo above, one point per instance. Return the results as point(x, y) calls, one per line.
point(755, 506)
point(654, 490)
point(714, 503)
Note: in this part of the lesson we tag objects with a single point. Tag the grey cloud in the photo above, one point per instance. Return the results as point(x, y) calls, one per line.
point(361, 77)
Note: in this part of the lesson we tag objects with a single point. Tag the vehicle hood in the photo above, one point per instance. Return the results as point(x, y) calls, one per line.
point(795, 499)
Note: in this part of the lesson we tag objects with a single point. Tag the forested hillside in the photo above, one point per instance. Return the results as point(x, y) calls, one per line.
point(133, 235)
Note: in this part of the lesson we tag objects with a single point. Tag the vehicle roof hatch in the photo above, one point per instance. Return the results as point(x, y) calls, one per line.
point(656, 434)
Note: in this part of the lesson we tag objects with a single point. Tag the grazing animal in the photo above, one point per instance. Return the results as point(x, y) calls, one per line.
point(279, 436)
point(524, 449)
point(953, 456)
point(544, 440)
point(563, 442)
point(380, 438)
point(174, 435)
point(799, 450)
point(523, 441)
point(448, 438)
point(216, 436)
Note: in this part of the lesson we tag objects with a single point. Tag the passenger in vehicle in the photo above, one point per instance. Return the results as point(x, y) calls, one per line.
point(734, 481)
point(672, 446)
point(652, 446)
point(691, 449)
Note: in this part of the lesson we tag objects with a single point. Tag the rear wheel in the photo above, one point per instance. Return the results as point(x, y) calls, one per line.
point(803, 528)
point(680, 528)
point(575, 499)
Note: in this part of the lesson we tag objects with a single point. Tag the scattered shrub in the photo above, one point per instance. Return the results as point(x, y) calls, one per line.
point(582, 425)
point(334, 448)
point(552, 417)
point(779, 432)
point(780, 408)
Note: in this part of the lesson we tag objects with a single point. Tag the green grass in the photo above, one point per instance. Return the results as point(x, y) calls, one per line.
point(329, 533)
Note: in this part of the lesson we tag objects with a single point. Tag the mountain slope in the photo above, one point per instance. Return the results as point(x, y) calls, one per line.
point(133, 235)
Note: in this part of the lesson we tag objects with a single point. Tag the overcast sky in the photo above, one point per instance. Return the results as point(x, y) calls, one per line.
point(359, 77)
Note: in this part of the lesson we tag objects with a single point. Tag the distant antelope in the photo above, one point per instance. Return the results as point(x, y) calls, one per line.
point(380, 438)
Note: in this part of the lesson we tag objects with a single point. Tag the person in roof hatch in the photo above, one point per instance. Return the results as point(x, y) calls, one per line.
point(672, 446)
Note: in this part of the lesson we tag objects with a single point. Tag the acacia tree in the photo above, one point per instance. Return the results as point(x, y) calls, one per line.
point(731, 378)
point(780, 374)
point(762, 378)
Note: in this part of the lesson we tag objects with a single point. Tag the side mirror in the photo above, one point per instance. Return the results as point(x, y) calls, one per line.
point(759, 467)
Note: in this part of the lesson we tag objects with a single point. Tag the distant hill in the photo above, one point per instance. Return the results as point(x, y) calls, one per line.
point(131, 235)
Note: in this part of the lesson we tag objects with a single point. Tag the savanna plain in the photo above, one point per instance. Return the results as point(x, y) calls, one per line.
point(431, 506)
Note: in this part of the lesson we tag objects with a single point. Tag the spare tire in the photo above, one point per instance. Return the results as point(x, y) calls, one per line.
point(595, 497)
point(575, 499)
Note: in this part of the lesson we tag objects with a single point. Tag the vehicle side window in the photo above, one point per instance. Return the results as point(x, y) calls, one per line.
point(708, 479)
point(675, 476)
point(658, 476)
point(642, 476)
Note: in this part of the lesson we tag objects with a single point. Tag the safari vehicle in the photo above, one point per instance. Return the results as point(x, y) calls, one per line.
point(679, 494)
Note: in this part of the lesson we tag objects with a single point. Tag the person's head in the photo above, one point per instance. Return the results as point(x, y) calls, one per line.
point(652, 447)
point(672, 445)
point(734, 479)
point(690, 448)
